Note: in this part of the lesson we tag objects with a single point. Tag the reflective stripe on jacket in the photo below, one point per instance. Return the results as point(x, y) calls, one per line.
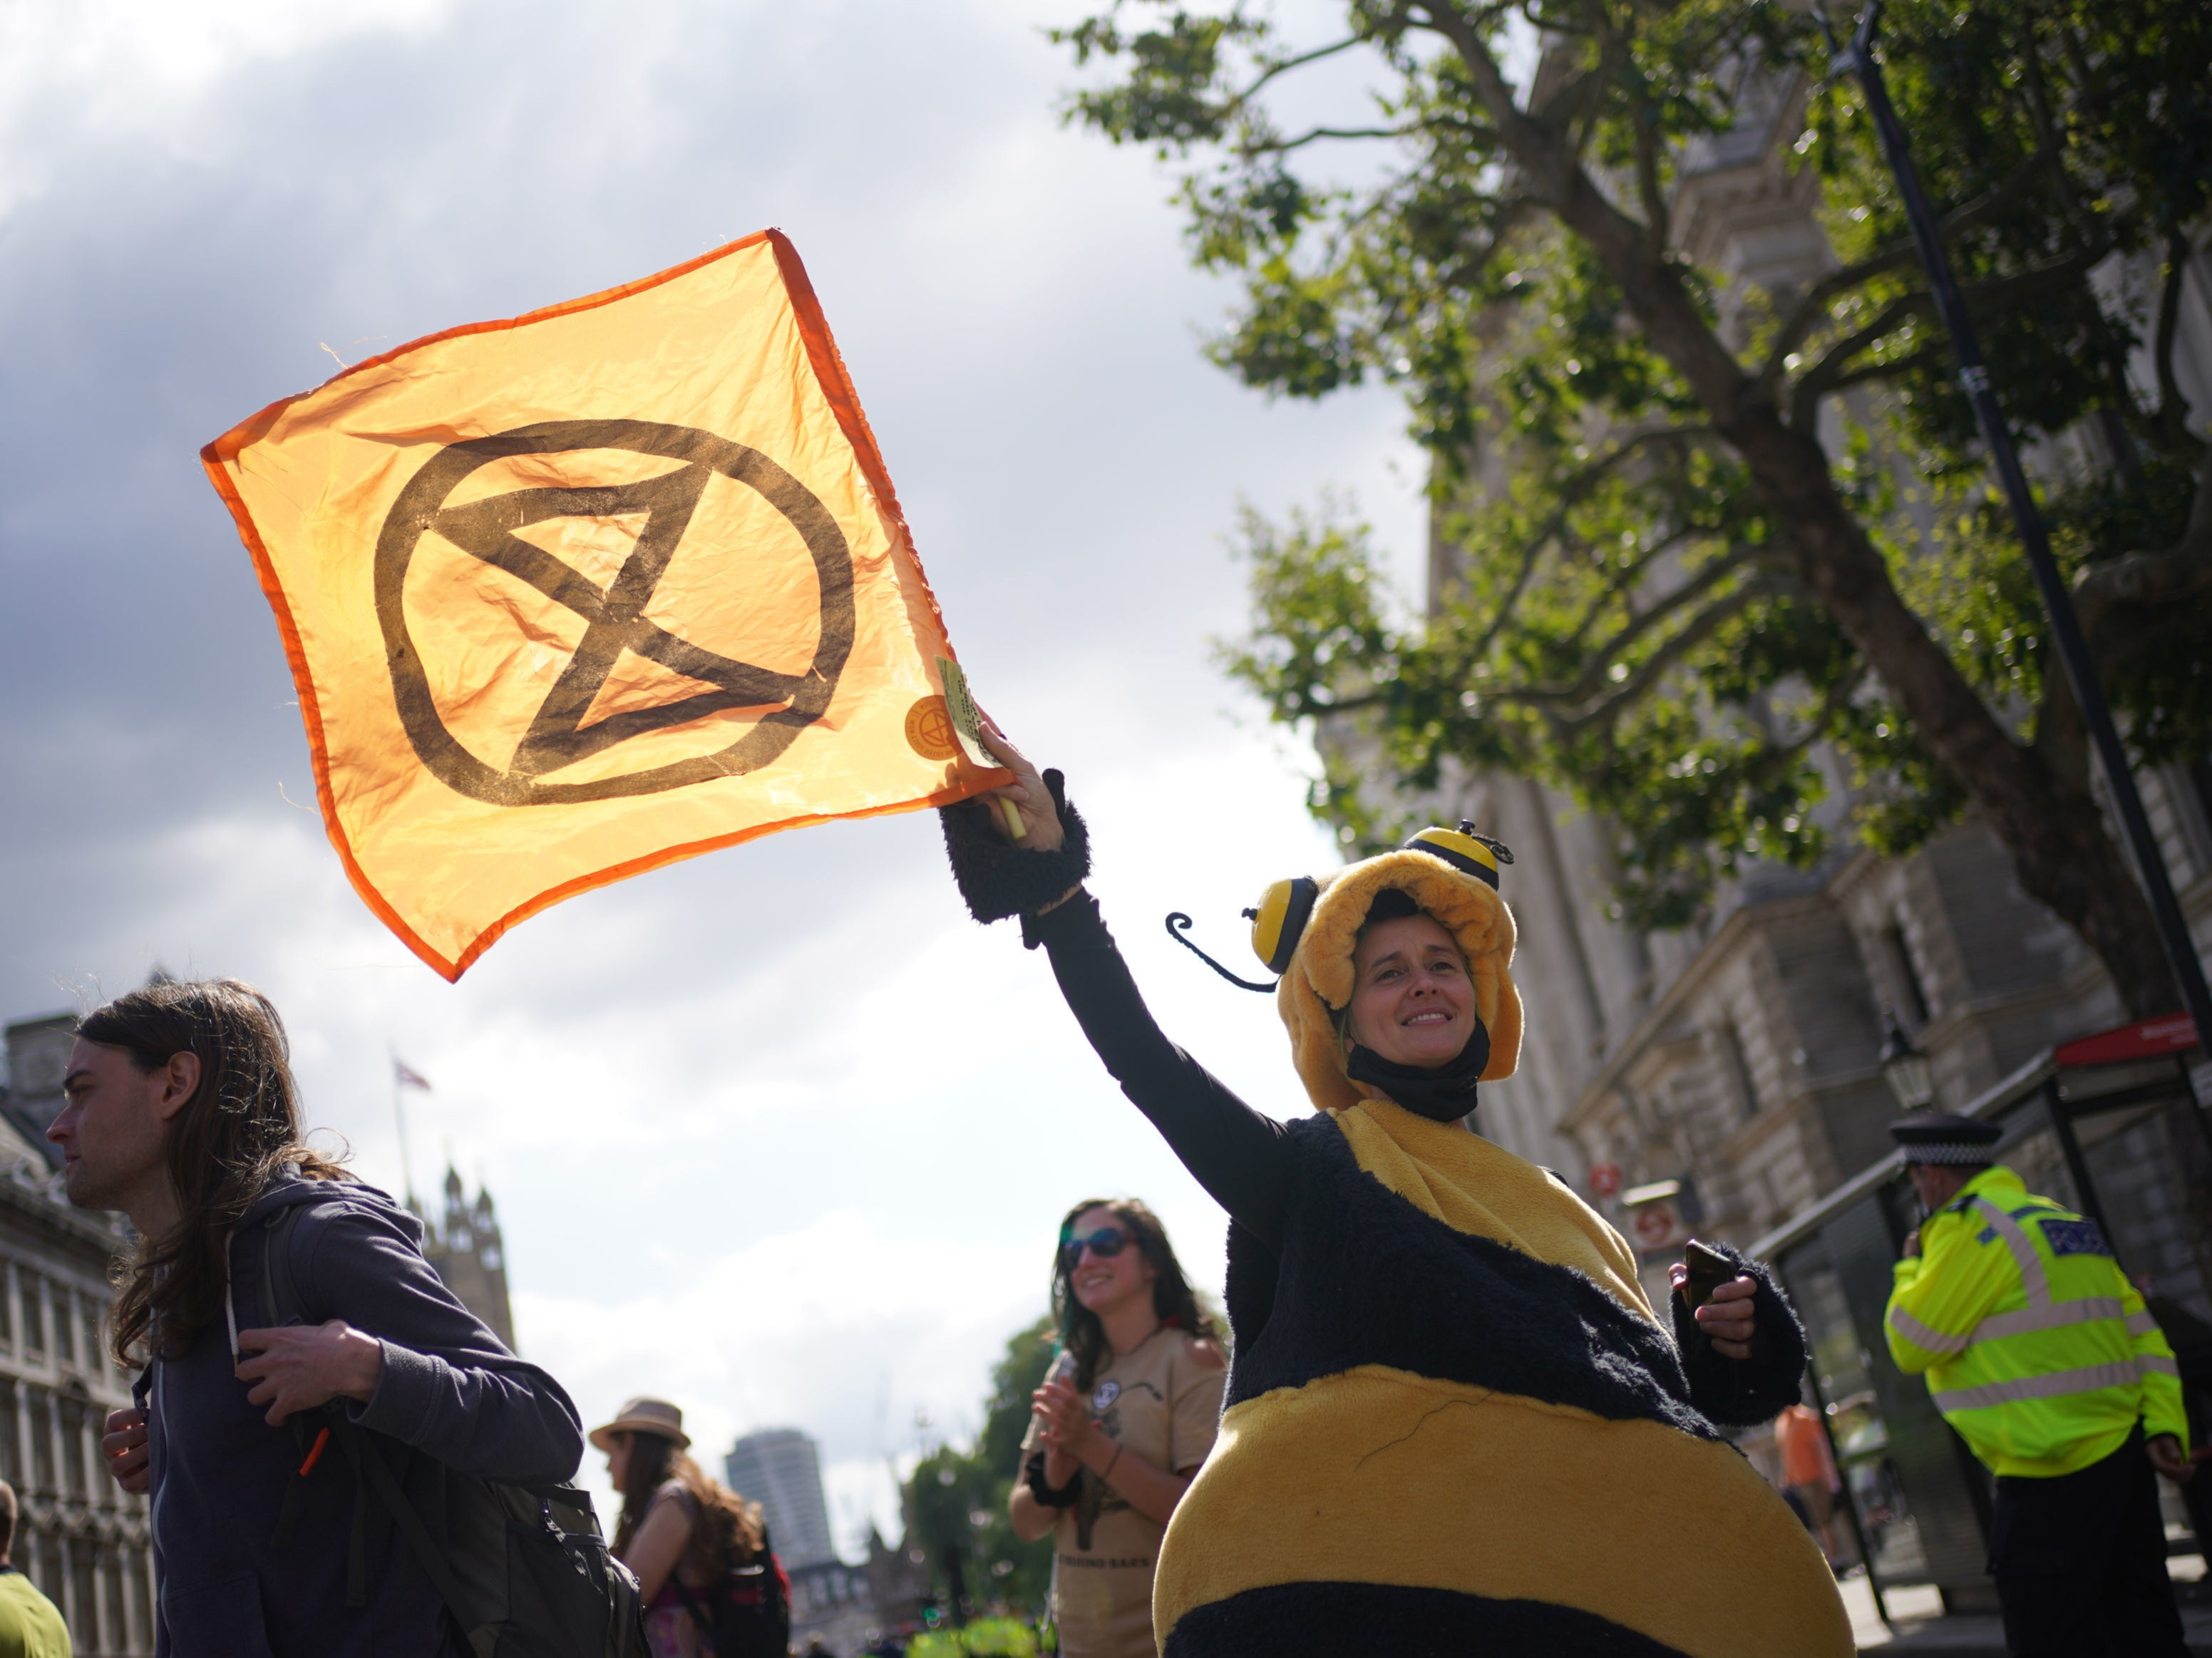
point(2036, 1349)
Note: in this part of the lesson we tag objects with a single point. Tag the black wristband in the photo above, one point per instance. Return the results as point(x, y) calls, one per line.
point(1062, 1496)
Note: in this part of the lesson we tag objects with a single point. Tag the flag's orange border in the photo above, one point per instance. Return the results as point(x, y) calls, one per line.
point(844, 401)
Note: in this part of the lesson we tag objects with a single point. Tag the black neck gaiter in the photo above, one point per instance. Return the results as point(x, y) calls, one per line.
point(1443, 1093)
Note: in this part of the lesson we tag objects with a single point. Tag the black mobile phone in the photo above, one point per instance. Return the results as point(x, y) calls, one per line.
point(1709, 1270)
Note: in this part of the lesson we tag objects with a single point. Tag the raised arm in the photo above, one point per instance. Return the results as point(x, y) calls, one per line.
point(1235, 1153)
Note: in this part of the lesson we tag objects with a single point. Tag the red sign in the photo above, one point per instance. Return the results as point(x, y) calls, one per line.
point(1659, 1226)
point(2174, 1033)
point(1604, 1179)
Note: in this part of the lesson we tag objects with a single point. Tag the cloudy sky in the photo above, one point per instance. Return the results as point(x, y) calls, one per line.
point(778, 1132)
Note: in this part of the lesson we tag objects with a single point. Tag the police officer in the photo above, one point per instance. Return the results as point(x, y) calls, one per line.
point(2039, 1351)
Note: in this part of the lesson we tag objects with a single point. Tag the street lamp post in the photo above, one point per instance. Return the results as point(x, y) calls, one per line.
point(1905, 1068)
point(1858, 58)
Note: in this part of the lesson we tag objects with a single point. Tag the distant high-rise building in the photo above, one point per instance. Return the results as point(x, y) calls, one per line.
point(465, 1250)
point(780, 1469)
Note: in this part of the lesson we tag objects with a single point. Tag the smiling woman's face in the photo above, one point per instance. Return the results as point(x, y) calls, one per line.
point(1103, 1283)
point(1412, 1001)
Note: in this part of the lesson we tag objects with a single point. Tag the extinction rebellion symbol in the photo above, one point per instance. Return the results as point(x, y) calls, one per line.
point(613, 614)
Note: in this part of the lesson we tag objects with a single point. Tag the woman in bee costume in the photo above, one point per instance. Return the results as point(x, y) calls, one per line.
point(1453, 1424)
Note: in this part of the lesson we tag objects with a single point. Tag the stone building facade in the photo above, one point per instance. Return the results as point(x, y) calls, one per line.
point(80, 1539)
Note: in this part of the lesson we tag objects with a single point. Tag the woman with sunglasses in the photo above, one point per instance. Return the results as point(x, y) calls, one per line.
point(1120, 1426)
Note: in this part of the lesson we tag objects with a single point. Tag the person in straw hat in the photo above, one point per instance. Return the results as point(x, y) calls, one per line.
point(1454, 1423)
point(683, 1532)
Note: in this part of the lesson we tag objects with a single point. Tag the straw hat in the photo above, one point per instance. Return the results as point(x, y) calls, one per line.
point(647, 1415)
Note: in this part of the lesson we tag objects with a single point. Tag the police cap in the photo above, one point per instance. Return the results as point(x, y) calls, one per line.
point(1945, 1136)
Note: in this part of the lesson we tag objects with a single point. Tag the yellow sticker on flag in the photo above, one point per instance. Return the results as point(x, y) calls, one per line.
point(575, 595)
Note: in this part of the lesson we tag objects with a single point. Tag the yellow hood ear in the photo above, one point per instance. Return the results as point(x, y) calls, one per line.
point(1318, 979)
point(1280, 920)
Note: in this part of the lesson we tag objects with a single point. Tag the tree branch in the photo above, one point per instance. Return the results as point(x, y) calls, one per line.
point(1656, 665)
point(2168, 576)
point(1927, 357)
point(1820, 379)
point(1809, 310)
point(1621, 580)
point(1284, 146)
point(1647, 176)
point(1508, 219)
point(1592, 678)
point(1284, 66)
point(1573, 490)
point(1829, 374)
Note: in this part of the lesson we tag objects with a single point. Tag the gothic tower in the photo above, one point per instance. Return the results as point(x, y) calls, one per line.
point(465, 1249)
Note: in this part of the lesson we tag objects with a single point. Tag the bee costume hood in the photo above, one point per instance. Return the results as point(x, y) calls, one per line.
point(1318, 984)
point(1455, 1423)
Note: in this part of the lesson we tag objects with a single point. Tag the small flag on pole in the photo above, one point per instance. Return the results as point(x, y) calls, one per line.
point(575, 595)
point(406, 1076)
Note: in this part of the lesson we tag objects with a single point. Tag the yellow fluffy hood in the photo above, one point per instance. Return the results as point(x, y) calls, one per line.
point(1319, 980)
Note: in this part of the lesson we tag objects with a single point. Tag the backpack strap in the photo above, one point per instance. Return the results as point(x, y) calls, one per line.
point(370, 1474)
point(280, 1293)
point(280, 1305)
point(698, 1612)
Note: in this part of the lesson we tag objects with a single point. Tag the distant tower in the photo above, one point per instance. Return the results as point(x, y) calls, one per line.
point(466, 1252)
point(38, 1059)
point(780, 1469)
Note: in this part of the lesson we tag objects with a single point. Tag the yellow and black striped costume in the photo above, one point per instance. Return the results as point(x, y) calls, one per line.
point(1454, 1423)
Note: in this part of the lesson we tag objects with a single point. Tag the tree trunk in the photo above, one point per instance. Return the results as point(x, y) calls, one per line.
point(2056, 836)
point(2060, 848)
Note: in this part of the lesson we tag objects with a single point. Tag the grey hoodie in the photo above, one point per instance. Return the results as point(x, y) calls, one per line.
point(451, 1396)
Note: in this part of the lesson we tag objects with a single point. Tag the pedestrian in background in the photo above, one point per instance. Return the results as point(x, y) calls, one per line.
point(181, 1112)
point(2041, 1354)
point(700, 1551)
point(30, 1624)
point(1120, 1426)
point(1808, 1468)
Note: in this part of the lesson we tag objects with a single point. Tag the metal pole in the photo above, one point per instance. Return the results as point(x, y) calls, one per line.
point(400, 1119)
point(2069, 1147)
point(1851, 1497)
point(2073, 650)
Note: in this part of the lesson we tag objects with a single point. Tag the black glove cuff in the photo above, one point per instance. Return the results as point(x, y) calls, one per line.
point(998, 877)
point(1062, 1496)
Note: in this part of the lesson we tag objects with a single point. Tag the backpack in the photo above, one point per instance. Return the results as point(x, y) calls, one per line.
point(524, 1572)
point(746, 1612)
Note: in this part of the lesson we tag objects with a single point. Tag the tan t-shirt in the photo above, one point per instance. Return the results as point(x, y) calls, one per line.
point(1161, 1402)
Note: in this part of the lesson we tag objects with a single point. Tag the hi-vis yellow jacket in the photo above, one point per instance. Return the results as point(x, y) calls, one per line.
point(2037, 1349)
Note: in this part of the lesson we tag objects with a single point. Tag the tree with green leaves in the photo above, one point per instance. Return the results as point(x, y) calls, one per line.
point(950, 1488)
point(1721, 550)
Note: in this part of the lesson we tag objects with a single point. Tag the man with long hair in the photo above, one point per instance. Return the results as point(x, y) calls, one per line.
point(181, 1112)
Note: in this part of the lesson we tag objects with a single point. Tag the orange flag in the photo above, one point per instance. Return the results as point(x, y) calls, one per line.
point(578, 594)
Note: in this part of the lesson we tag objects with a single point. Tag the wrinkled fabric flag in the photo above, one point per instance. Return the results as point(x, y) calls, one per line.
point(575, 595)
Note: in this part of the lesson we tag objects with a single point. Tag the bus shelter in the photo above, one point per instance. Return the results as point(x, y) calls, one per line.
point(2108, 1126)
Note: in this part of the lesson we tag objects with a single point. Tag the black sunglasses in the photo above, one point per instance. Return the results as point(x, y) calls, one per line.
point(1105, 1243)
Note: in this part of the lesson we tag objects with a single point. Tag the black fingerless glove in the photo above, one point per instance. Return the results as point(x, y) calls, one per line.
point(999, 878)
point(1062, 1497)
point(1743, 1393)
